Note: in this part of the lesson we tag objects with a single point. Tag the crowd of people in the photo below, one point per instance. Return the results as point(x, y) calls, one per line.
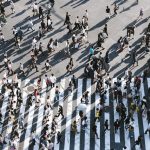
point(122, 90)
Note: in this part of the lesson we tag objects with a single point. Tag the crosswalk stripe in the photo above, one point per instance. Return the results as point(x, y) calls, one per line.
point(68, 122)
point(4, 107)
point(116, 116)
point(10, 123)
point(88, 111)
point(126, 133)
point(61, 96)
point(135, 115)
point(148, 82)
point(97, 141)
point(29, 124)
point(40, 116)
point(107, 134)
point(79, 96)
point(67, 131)
point(24, 96)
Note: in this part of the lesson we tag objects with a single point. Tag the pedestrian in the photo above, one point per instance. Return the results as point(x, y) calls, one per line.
point(41, 12)
point(84, 123)
point(106, 125)
point(116, 7)
point(74, 127)
point(148, 129)
point(138, 141)
point(59, 137)
point(21, 69)
point(60, 111)
point(116, 125)
point(12, 6)
point(41, 47)
point(108, 12)
point(43, 27)
point(94, 129)
point(140, 14)
point(57, 92)
point(134, 58)
point(53, 80)
point(67, 48)
point(30, 25)
point(105, 30)
point(47, 65)
point(67, 19)
point(35, 9)
point(49, 23)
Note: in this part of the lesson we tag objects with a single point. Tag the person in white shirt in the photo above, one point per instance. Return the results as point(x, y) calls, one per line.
point(10, 68)
point(77, 25)
point(35, 9)
point(53, 80)
point(86, 14)
point(34, 41)
point(30, 25)
point(12, 6)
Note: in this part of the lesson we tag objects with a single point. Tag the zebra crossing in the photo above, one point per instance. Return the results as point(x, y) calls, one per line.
point(70, 101)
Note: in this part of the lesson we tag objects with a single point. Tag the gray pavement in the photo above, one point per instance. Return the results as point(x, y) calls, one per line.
point(127, 15)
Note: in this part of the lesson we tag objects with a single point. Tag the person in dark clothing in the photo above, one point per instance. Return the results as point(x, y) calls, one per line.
point(116, 125)
point(105, 30)
point(41, 12)
point(134, 58)
point(73, 79)
point(108, 11)
point(138, 141)
point(67, 20)
point(94, 128)
point(106, 125)
point(59, 137)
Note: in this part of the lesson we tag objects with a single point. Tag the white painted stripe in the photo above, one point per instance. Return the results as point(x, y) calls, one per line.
point(10, 122)
point(107, 134)
point(88, 113)
point(40, 115)
point(68, 122)
point(126, 132)
point(145, 123)
point(29, 126)
point(61, 96)
point(135, 116)
point(4, 107)
point(79, 96)
point(52, 96)
point(22, 108)
point(116, 116)
point(148, 82)
point(97, 141)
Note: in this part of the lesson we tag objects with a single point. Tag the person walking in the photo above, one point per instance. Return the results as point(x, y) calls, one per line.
point(67, 19)
point(116, 125)
point(108, 12)
point(94, 129)
point(41, 12)
point(106, 125)
point(59, 137)
point(30, 25)
point(47, 65)
point(60, 112)
point(12, 6)
point(116, 7)
point(105, 30)
point(134, 58)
